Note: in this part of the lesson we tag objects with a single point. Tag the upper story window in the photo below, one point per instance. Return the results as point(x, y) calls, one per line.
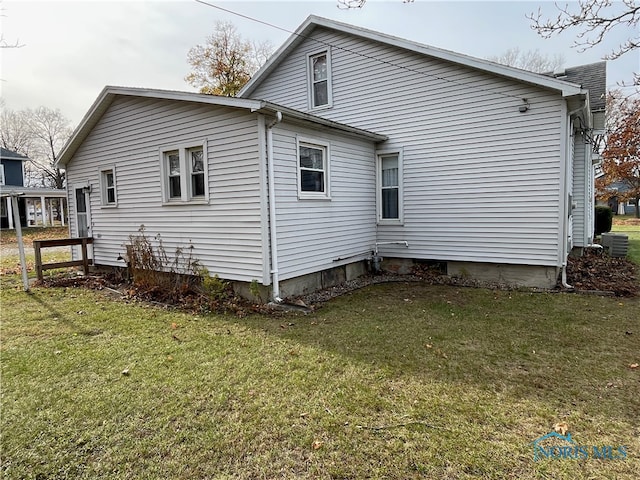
point(390, 187)
point(184, 174)
point(313, 169)
point(320, 79)
point(108, 187)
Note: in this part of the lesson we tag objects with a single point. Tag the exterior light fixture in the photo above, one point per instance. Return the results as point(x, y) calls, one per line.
point(525, 107)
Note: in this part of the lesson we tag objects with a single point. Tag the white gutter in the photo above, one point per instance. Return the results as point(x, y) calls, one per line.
point(272, 210)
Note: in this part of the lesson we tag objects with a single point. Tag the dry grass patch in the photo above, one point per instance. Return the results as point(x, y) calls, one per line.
point(393, 381)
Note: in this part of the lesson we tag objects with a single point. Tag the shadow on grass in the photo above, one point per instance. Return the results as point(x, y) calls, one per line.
point(560, 349)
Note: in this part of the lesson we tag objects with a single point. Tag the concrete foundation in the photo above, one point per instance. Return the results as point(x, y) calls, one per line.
point(318, 280)
point(534, 276)
point(518, 275)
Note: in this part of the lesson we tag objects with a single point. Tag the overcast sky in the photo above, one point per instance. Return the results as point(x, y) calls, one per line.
point(73, 49)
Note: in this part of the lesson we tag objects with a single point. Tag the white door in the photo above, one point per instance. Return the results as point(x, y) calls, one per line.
point(82, 212)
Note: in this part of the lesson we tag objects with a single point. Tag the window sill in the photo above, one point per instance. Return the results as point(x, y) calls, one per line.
point(109, 205)
point(173, 203)
point(389, 221)
point(307, 196)
point(321, 107)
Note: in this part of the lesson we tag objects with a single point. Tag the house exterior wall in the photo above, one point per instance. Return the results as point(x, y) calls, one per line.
point(480, 179)
point(582, 193)
point(226, 233)
point(319, 234)
point(13, 173)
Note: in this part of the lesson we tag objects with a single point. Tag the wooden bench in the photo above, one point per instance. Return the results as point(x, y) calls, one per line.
point(62, 242)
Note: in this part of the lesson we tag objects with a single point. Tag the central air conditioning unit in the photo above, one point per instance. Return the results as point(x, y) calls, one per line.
point(615, 244)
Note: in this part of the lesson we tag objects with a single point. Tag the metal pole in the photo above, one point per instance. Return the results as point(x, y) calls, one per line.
point(16, 220)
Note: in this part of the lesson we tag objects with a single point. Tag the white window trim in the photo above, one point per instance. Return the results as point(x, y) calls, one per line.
point(185, 173)
point(103, 187)
point(312, 142)
point(329, 103)
point(400, 219)
point(2, 174)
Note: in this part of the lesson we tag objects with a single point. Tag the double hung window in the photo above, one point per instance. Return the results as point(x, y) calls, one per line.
point(108, 187)
point(390, 187)
point(184, 174)
point(320, 79)
point(313, 169)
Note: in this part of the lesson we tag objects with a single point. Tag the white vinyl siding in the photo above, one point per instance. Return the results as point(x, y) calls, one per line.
point(481, 179)
point(316, 235)
point(226, 233)
point(582, 193)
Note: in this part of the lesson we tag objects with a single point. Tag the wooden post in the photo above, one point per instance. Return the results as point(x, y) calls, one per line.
point(38, 254)
point(85, 257)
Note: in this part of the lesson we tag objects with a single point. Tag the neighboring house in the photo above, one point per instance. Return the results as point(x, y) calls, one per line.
point(31, 200)
point(366, 144)
point(618, 206)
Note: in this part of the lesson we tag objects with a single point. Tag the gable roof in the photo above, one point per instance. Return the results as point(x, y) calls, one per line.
point(305, 30)
point(11, 155)
point(109, 93)
point(592, 77)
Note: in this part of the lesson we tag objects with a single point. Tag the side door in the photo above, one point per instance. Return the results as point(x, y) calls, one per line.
point(83, 215)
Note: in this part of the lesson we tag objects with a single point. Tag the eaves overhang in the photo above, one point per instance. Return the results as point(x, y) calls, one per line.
point(109, 93)
point(305, 30)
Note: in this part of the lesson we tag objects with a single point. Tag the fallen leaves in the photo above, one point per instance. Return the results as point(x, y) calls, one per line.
point(598, 271)
point(561, 427)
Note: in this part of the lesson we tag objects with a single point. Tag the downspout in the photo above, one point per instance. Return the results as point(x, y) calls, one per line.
point(569, 205)
point(272, 210)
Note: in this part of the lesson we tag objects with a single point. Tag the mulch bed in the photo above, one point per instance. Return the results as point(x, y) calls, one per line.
point(593, 272)
point(597, 271)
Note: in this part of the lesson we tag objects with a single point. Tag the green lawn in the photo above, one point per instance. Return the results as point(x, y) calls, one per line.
point(394, 381)
point(633, 232)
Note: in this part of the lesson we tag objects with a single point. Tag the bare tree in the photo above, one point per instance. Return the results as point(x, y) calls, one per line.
point(38, 134)
point(531, 60)
point(226, 62)
point(594, 19)
point(3, 42)
point(15, 131)
point(51, 130)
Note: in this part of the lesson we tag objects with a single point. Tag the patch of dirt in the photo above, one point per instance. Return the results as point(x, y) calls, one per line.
point(627, 221)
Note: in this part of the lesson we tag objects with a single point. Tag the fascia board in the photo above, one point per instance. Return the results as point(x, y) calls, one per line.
point(307, 118)
point(100, 105)
point(567, 88)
